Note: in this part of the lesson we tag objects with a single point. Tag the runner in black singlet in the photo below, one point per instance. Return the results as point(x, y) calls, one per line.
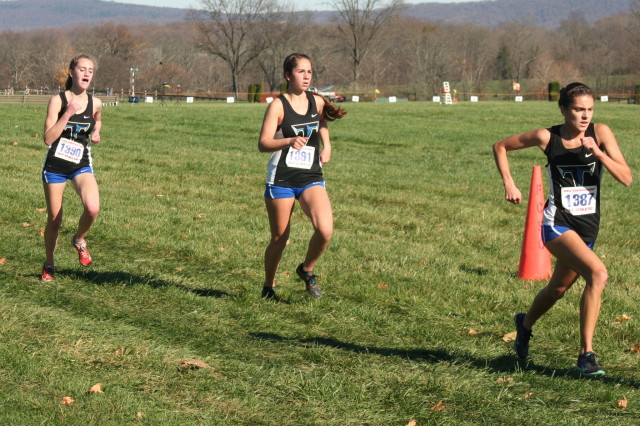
point(295, 131)
point(576, 152)
point(72, 124)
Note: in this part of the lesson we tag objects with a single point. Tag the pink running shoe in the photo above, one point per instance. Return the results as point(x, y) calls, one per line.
point(48, 272)
point(83, 253)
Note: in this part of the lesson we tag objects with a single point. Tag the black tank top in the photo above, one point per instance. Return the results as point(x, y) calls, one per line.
point(72, 150)
point(574, 186)
point(297, 168)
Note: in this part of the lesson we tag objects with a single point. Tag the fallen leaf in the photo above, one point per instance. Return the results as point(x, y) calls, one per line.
point(604, 256)
point(127, 225)
point(179, 268)
point(473, 332)
point(26, 224)
point(622, 318)
point(634, 350)
point(412, 422)
point(438, 407)
point(194, 364)
point(382, 285)
point(158, 196)
point(40, 210)
point(501, 380)
point(15, 143)
point(623, 402)
point(36, 136)
point(527, 395)
point(139, 415)
point(97, 388)
point(185, 237)
point(42, 232)
point(3, 260)
point(67, 400)
point(509, 337)
point(119, 352)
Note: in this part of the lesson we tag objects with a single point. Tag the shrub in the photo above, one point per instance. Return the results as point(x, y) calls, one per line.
point(252, 93)
point(554, 91)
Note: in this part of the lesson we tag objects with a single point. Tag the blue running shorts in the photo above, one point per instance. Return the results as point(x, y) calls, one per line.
point(275, 192)
point(50, 177)
point(550, 232)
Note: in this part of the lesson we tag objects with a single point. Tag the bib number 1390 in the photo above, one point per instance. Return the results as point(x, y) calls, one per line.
point(69, 150)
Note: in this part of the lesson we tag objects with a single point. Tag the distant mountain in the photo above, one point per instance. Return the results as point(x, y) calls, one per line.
point(546, 13)
point(17, 15)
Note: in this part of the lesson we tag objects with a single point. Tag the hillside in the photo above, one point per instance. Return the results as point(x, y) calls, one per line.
point(547, 13)
point(17, 15)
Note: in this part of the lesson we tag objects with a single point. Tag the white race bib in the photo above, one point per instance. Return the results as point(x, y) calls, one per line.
point(579, 200)
point(69, 150)
point(302, 158)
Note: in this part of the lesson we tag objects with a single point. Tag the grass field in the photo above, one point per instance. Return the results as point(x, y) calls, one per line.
point(425, 250)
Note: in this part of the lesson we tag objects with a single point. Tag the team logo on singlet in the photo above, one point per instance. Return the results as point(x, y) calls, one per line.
point(76, 128)
point(306, 129)
point(577, 172)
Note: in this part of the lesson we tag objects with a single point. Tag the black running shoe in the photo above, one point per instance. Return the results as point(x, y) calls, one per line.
point(521, 344)
point(588, 365)
point(268, 292)
point(309, 279)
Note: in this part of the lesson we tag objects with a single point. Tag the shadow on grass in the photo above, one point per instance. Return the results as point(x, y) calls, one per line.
point(127, 279)
point(506, 364)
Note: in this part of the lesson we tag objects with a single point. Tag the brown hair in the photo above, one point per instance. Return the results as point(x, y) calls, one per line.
point(571, 91)
point(72, 65)
point(329, 111)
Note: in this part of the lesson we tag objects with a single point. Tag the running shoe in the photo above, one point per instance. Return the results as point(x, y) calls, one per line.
point(521, 344)
point(309, 279)
point(48, 272)
point(588, 365)
point(83, 253)
point(268, 292)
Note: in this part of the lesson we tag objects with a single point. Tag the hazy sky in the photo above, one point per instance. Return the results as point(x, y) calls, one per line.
point(300, 4)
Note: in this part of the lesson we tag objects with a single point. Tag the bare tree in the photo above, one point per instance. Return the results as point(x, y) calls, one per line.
point(281, 28)
point(18, 53)
point(522, 43)
point(361, 23)
point(227, 29)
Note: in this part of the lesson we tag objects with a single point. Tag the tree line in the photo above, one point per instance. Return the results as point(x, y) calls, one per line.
point(226, 45)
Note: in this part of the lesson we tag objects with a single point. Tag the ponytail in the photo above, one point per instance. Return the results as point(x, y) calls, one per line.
point(330, 111)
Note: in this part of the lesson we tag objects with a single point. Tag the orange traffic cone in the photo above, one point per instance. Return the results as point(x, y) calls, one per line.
point(535, 259)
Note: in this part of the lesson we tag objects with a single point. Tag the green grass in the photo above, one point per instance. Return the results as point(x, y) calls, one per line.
point(425, 249)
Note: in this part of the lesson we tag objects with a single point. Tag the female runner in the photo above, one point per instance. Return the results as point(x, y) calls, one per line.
point(576, 152)
point(295, 131)
point(73, 122)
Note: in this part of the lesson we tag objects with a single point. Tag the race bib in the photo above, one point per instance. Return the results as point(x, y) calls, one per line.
point(302, 158)
point(69, 150)
point(579, 200)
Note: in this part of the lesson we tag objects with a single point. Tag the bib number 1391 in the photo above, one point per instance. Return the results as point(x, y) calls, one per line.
point(301, 158)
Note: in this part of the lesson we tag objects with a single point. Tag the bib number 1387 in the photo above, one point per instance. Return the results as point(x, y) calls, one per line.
point(579, 200)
